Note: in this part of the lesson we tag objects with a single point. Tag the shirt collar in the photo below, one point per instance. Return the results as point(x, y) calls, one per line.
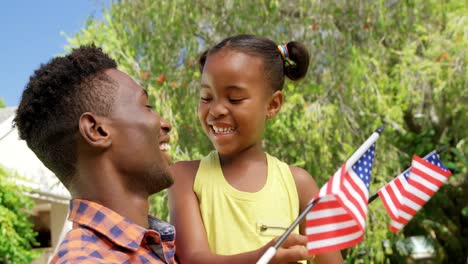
point(115, 227)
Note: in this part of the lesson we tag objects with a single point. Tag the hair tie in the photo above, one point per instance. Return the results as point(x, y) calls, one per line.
point(283, 49)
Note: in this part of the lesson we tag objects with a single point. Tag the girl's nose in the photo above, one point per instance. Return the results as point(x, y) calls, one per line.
point(218, 109)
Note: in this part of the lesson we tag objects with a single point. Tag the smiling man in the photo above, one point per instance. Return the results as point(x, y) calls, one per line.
point(91, 124)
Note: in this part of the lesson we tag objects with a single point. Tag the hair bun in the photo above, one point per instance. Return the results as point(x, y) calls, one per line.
point(298, 54)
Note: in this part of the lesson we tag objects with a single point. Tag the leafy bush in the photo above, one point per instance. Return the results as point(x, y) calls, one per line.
point(16, 231)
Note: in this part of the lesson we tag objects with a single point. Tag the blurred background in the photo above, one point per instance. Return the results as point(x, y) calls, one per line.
point(399, 63)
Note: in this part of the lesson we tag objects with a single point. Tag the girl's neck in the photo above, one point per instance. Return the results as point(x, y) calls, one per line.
point(247, 170)
point(252, 153)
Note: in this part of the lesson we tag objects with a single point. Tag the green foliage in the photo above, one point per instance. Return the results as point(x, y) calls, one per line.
point(159, 206)
point(16, 231)
point(2, 103)
point(402, 63)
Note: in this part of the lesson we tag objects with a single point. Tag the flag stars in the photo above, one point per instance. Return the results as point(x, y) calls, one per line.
point(434, 159)
point(363, 166)
point(406, 173)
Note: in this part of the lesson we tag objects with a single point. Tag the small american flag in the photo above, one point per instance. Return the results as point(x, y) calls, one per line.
point(404, 196)
point(338, 219)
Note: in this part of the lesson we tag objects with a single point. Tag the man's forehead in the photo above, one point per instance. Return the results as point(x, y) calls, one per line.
point(118, 75)
point(123, 80)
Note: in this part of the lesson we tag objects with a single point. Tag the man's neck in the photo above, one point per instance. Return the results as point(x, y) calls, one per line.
point(132, 206)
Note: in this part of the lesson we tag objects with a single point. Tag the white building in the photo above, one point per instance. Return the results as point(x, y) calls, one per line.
point(50, 196)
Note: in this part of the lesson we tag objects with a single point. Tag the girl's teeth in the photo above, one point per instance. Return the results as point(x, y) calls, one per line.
point(220, 130)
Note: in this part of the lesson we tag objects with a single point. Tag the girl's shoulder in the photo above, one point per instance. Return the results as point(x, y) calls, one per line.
point(183, 174)
point(306, 186)
point(301, 176)
point(185, 169)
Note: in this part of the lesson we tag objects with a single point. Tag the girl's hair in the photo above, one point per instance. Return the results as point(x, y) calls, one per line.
point(294, 65)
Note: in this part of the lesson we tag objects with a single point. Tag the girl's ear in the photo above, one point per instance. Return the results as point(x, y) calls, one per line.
point(94, 131)
point(274, 106)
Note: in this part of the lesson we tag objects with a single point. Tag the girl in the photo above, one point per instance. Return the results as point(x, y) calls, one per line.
point(229, 206)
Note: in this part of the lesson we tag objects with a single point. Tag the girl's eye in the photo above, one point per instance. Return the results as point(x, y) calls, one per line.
point(236, 101)
point(205, 99)
point(150, 107)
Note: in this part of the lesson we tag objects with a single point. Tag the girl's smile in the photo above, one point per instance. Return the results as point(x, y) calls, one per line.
point(221, 133)
point(223, 130)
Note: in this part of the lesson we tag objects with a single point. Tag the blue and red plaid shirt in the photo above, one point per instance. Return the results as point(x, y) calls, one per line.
point(100, 235)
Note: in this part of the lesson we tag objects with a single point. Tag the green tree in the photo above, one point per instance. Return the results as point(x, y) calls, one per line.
point(402, 63)
point(17, 235)
point(2, 103)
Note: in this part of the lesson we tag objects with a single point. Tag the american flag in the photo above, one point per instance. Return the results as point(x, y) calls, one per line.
point(405, 195)
point(338, 219)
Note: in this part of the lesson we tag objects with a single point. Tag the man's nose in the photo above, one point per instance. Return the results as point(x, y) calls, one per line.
point(165, 125)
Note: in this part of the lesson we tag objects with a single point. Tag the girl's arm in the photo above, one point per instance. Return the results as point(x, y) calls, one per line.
point(191, 241)
point(307, 189)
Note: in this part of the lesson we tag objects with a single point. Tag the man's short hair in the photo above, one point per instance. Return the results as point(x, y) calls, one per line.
point(53, 101)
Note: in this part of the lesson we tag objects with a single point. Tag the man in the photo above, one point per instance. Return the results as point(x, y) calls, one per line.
point(92, 125)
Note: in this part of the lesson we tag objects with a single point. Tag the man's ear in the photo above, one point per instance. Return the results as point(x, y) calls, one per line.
point(274, 106)
point(94, 131)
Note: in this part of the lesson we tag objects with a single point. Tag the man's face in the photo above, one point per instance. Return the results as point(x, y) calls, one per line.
point(139, 138)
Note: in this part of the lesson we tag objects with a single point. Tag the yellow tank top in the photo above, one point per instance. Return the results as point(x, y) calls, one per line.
point(237, 221)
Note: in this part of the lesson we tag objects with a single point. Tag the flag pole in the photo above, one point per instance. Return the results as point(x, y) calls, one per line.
point(438, 151)
point(270, 253)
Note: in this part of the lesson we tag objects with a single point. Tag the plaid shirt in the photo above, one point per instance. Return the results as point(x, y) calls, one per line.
point(100, 235)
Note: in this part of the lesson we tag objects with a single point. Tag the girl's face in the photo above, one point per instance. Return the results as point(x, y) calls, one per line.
point(235, 100)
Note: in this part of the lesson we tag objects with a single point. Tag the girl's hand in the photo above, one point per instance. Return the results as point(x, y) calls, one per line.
point(292, 250)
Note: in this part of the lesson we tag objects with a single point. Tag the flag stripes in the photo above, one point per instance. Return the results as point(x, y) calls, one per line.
point(404, 196)
point(391, 195)
point(338, 219)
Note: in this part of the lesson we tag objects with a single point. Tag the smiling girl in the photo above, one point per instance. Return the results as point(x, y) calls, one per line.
point(229, 206)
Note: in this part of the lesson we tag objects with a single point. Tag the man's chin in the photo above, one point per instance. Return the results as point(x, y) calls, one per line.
point(161, 182)
point(167, 157)
point(169, 180)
